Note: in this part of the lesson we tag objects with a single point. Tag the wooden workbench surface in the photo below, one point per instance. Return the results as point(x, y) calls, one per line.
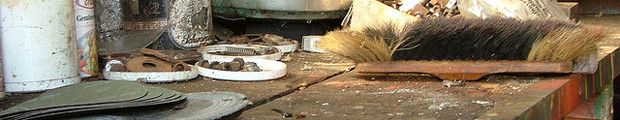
point(325, 86)
point(304, 69)
point(356, 96)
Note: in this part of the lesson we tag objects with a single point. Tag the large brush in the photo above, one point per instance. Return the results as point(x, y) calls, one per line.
point(469, 39)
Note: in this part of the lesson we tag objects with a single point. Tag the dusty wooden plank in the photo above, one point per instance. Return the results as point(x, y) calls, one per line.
point(464, 70)
point(599, 7)
point(303, 70)
point(565, 95)
point(570, 8)
point(605, 71)
point(406, 96)
point(548, 99)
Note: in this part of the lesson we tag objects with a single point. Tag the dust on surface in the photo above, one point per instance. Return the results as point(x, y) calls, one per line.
point(354, 96)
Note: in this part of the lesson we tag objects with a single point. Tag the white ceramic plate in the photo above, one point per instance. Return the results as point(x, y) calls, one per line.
point(271, 69)
point(148, 77)
point(288, 47)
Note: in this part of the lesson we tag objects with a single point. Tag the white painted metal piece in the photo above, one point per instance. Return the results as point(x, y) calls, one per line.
point(289, 5)
point(309, 44)
point(271, 69)
point(288, 48)
point(39, 51)
point(148, 77)
point(207, 50)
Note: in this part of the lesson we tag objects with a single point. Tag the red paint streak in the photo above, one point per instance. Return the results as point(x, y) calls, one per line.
point(569, 96)
point(474, 92)
point(555, 85)
point(393, 87)
point(340, 85)
point(599, 31)
point(314, 75)
point(564, 99)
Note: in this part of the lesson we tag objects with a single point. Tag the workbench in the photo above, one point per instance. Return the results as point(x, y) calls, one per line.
point(326, 86)
point(353, 95)
point(404, 96)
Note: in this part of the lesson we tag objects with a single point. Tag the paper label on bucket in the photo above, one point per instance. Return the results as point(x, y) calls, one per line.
point(86, 37)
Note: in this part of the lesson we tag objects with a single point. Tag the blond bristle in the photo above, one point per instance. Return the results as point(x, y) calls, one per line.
point(360, 46)
point(564, 44)
point(353, 45)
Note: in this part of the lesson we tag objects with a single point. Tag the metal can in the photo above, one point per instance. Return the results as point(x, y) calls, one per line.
point(190, 23)
point(86, 37)
point(109, 16)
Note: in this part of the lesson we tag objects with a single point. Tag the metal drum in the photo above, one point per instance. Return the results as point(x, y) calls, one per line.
point(282, 9)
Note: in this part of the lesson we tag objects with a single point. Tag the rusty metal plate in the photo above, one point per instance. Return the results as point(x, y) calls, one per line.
point(148, 64)
point(163, 56)
point(129, 41)
point(463, 70)
point(282, 9)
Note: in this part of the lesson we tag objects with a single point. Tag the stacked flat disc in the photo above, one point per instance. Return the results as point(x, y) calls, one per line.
point(197, 106)
point(91, 97)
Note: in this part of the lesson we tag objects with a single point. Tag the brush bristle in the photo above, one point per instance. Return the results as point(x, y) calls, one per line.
point(462, 39)
point(564, 44)
point(474, 39)
point(373, 43)
point(365, 48)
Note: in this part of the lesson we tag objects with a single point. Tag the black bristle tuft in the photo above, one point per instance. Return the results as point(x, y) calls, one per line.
point(473, 39)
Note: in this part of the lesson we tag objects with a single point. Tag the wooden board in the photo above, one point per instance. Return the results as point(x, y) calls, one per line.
point(464, 70)
point(353, 96)
point(303, 70)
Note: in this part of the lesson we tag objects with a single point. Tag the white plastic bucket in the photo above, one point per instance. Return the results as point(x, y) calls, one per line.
point(39, 50)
